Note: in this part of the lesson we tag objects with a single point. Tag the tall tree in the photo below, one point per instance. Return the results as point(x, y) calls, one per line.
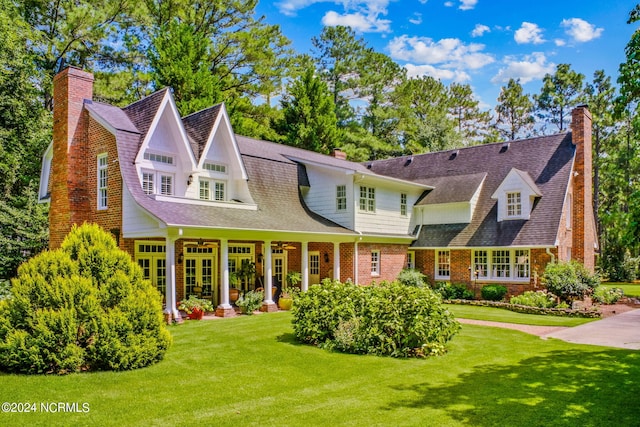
point(561, 91)
point(179, 59)
point(472, 123)
point(423, 108)
point(309, 119)
point(514, 111)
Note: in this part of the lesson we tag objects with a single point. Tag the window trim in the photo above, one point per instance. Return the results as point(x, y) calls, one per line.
point(516, 264)
point(341, 198)
point(444, 265)
point(212, 189)
point(375, 262)
point(367, 199)
point(411, 259)
point(156, 182)
point(102, 175)
point(403, 204)
point(514, 207)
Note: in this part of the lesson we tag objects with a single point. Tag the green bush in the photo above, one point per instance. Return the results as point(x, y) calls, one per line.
point(387, 319)
point(82, 307)
point(569, 280)
point(493, 292)
point(457, 291)
point(412, 277)
point(541, 299)
point(605, 295)
point(250, 301)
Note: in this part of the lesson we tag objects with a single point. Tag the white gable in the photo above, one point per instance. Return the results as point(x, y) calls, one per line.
point(517, 188)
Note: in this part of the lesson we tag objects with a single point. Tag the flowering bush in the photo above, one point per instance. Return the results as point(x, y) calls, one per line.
point(541, 299)
point(605, 295)
point(194, 303)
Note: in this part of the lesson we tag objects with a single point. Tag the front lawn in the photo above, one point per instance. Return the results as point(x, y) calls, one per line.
point(248, 371)
point(630, 289)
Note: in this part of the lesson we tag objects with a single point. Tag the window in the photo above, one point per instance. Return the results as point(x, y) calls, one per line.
point(514, 204)
point(411, 259)
point(403, 204)
point(375, 263)
point(367, 199)
point(102, 181)
point(206, 192)
point(481, 264)
point(158, 158)
point(215, 167)
point(341, 197)
point(166, 185)
point(443, 264)
point(501, 262)
point(522, 263)
point(147, 182)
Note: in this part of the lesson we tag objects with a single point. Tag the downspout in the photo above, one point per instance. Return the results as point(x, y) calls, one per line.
point(553, 257)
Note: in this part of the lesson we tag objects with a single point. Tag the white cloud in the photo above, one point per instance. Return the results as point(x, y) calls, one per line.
point(437, 73)
point(479, 30)
point(531, 67)
point(290, 7)
point(467, 4)
point(580, 30)
point(560, 42)
point(448, 4)
point(452, 53)
point(357, 21)
point(416, 19)
point(529, 33)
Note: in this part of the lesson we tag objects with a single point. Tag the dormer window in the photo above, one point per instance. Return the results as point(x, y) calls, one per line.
point(212, 190)
point(514, 204)
point(158, 158)
point(154, 182)
point(215, 167)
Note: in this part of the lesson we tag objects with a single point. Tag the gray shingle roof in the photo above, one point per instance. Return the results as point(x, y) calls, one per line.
point(547, 160)
point(451, 189)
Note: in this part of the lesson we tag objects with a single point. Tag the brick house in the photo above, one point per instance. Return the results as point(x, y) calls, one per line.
point(193, 203)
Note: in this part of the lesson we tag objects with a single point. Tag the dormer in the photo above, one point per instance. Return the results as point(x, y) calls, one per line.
point(453, 199)
point(516, 196)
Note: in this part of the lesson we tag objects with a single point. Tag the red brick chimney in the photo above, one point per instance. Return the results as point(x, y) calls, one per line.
point(69, 192)
point(339, 154)
point(584, 229)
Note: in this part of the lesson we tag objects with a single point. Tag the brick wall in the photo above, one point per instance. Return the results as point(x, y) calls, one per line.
point(393, 259)
point(347, 251)
point(69, 197)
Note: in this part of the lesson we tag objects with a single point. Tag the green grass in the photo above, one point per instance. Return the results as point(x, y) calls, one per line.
point(249, 371)
point(504, 315)
point(630, 289)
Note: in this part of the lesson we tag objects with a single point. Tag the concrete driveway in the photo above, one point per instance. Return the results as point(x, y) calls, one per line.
point(621, 331)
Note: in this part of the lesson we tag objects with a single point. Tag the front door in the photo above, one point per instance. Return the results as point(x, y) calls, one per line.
point(151, 257)
point(200, 272)
point(279, 267)
point(314, 268)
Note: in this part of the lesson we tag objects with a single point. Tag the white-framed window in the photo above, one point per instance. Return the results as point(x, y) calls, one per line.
point(481, 264)
point(521, 259)
point(102, 180)
point(215, 167)
point(166, 184)
point(341, 197)
point(375, 263)
point(367, 199)
point(403, 204)
point(501, 264)
point(212, 190)
point(514, 204)
point(443, 264)
point(148, 182)
point(158, 158)
point(411, 259)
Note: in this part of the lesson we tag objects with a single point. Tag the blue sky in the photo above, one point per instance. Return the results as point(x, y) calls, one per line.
point(479, 42)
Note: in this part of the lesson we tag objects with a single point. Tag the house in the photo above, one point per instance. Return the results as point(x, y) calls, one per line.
point(195, 205)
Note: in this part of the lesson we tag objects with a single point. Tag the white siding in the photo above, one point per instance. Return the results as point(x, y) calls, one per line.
point(387, 218)
point(321, 197)
point(447, 213)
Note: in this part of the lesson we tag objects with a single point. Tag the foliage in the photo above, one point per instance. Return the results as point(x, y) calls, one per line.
point(82, 307)
point(289, 292)
point(569, 280)
point(5, 289)
point(515, 111)
point(606, 295)
point(387, 319)
point(472, 123)
point(561, 91)
point(412, 277)
point(250, 301)
point(541, 299)
point(294, 278)
point(194, 303)
point(450, 291)
point(493, 292)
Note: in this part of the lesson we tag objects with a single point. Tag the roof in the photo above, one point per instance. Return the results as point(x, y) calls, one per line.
point(452, 189)
point(547, 160)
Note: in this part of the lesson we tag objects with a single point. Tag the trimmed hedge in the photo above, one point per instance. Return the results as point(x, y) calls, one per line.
point(83, 307)
point(387, 319)
point(493, 292)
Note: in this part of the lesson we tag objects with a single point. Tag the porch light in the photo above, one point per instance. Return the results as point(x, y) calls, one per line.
point(326, 257)
point(190, 180)
point(180, 258)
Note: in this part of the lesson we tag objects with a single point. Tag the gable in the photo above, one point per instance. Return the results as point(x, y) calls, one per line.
point(517, 190)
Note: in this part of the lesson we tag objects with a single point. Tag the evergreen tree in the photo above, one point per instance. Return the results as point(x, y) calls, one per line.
point(560, 93)
point(514, 111)
point(472, 124)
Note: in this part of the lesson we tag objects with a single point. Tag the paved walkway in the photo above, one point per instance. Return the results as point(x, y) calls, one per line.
point(620, 331)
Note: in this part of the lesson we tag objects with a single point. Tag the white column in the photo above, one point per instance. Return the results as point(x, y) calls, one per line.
point(224, 265)
point(268, 273)
point(336, 261)
point(305, 266)
point(171, 299)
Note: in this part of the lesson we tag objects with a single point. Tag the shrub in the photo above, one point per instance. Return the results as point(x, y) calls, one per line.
point(540, 299)
point(569, 280)
point(493, 292)
point(388, 319)
point(412, 277)
point(250, 301)
point(449, 291)
point(605, 295)
point(82, 307)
